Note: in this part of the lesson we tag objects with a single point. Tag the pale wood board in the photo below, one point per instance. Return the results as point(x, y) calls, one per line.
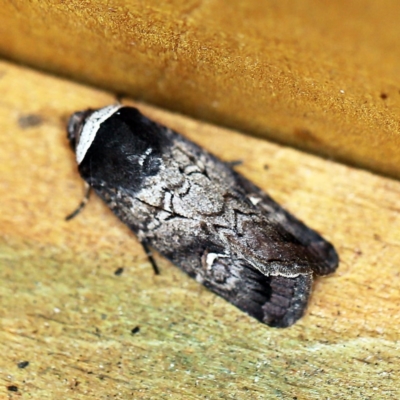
point(63, 309)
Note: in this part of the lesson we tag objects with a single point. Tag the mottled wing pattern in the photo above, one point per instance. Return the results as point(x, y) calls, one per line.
point(266, 268)
point(325, 257)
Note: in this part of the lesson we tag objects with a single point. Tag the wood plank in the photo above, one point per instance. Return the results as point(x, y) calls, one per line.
point(63, 309)
point(322, 76)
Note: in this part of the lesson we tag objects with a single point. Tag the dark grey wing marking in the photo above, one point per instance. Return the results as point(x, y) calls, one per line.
point(317, 245)
point(274, 300)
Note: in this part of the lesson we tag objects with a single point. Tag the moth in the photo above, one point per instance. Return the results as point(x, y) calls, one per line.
point(199, 213)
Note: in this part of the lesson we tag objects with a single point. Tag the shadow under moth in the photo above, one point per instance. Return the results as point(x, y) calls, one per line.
point(200, 214)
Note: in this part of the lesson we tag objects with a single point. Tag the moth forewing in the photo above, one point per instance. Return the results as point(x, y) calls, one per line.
point(199, 213)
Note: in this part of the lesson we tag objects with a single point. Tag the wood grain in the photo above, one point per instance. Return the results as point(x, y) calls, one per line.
point(322, 76)
point(64, 310)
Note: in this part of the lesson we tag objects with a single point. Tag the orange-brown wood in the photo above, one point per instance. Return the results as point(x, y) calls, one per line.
point(319, 75)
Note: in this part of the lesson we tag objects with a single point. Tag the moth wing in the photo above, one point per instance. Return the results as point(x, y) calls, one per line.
point(277, 289)
point(325, 258)
point(274, 300)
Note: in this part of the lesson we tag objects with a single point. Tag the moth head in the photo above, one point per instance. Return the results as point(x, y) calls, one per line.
point(75, 126)
point(83, 127)
point(116, 146)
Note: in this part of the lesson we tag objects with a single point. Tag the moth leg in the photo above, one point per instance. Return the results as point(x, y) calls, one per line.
point(83, 203)
point(234, 163)
point(314, 242)
point(149, 255)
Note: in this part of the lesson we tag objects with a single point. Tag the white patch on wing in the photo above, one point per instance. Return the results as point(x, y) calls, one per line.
point(200, 165)
point(254, 200)
point(162, 215)
point(211, 257)
point(191, 168)
point(143, 157)
point(167, 202)
point(92, 125)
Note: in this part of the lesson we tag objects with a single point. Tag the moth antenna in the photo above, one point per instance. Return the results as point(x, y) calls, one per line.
point(119, 97)
point(82, 205)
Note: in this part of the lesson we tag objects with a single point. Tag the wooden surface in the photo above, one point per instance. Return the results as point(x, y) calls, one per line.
point(319, 75)
point(64, 310)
